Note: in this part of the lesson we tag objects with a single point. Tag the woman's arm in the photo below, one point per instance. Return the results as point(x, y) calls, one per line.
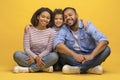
point(27, 42)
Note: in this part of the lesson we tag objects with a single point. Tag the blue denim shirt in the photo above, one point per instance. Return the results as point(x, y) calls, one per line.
point(88, 37)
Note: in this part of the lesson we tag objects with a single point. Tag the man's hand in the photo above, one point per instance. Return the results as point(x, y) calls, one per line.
point(87, 57)
point(79, 57)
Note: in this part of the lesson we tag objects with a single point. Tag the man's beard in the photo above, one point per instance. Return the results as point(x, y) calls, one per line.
point(71, 26)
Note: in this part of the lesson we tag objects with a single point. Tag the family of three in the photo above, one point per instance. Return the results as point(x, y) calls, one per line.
point(58, 40)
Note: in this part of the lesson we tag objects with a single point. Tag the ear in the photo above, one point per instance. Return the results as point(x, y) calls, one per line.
point(77, 15)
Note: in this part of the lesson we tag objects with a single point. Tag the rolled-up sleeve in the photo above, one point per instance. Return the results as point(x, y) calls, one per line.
point(60, 37)
point(97, 36)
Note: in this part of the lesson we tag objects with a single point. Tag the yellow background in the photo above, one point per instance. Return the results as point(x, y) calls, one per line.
point(15, 14)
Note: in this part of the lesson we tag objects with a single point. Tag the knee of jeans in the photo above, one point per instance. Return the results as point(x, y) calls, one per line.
point(16, 55)
point(54, 57)
point(107, 51)
point(64, 56)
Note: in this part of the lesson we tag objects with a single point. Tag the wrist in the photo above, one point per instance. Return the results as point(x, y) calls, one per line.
point(92, 55)
point(74, 54)
point(37, 57)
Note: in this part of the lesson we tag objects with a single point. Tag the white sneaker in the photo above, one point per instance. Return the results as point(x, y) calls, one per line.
point(96, 70)
point(19, 69)
point(49, 69)
point(67, 69)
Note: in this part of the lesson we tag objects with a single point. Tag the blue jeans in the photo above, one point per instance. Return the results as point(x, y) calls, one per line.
point(65, 59)
point(21, 59)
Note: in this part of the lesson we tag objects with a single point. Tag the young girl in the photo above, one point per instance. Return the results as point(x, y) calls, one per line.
point(58, 22)
point(57, 19)
point(38, 42)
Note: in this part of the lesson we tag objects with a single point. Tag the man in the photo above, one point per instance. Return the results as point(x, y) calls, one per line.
point(81, 49)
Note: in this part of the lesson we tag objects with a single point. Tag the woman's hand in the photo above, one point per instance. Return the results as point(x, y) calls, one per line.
point(30, 60)
point(39, 61)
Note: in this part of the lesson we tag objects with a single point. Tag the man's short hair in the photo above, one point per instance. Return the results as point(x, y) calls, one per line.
point(70, 8)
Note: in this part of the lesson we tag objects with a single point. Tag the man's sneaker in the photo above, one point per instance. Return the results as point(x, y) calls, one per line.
point(67, 69)
point(96, 70)
point(49, 69)
point(19, 69)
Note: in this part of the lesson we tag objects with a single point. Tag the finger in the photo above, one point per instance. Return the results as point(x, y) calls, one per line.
point(83, 61)
point(41, 63)
point(82, 58)
point(28, 62)
point(42, 59)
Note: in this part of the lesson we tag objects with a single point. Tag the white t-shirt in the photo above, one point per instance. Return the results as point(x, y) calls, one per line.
point(76, 45)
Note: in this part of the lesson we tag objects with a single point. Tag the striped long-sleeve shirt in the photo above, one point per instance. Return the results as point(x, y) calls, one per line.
point(38, 42)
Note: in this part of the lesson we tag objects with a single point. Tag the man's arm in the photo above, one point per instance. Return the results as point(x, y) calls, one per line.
point(61, 48)
point(100, 40)
point(99, 48)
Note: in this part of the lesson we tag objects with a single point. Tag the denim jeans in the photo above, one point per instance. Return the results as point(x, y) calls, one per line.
point(21, 59)
point(65, 59)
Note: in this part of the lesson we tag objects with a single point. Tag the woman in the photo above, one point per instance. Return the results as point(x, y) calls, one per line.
point(38, 43)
